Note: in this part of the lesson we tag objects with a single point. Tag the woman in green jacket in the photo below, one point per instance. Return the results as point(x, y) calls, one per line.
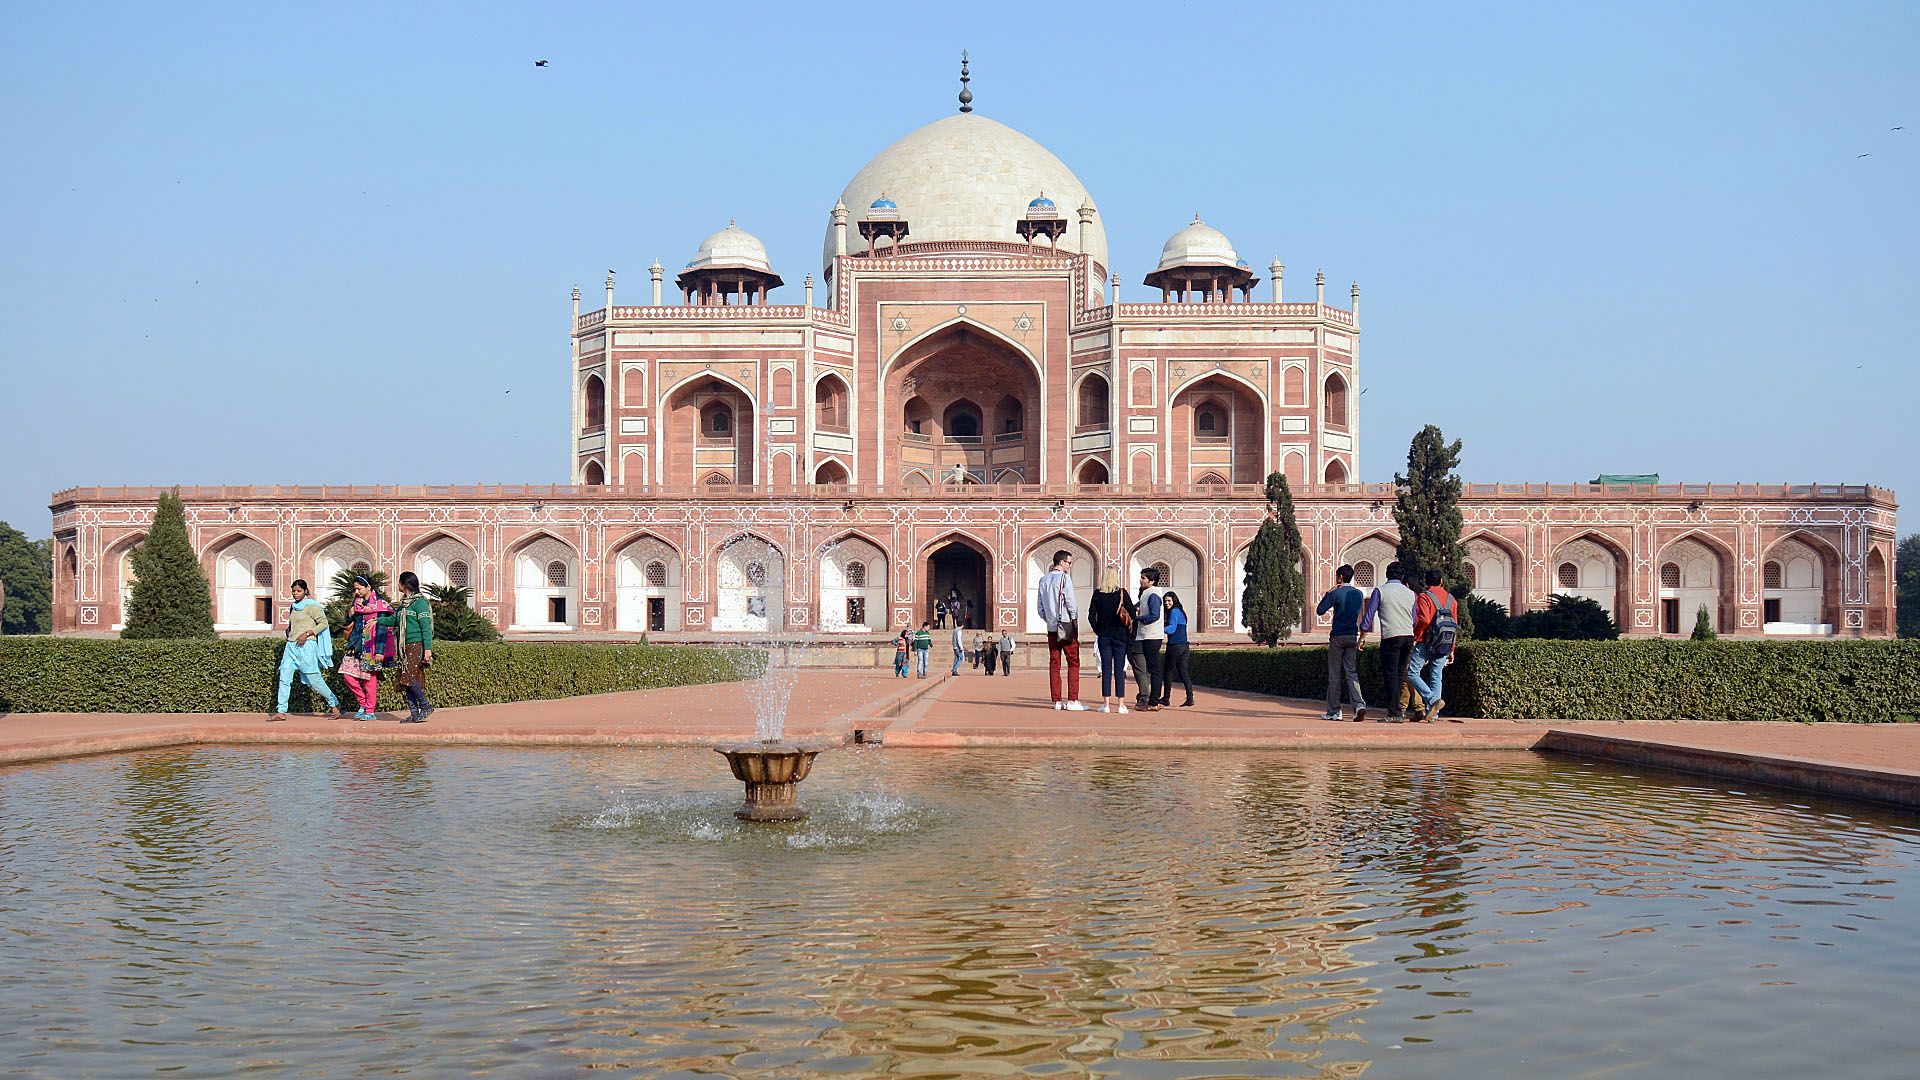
point(413, 616)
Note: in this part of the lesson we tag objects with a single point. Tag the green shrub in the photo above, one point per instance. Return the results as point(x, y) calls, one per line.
point(1566, 618)
point(1490, 619)
point(1703, 626)
point(50, 674)
point(1849, 681)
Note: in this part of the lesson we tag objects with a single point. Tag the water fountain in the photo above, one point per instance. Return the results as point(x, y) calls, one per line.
point(772, 770)
point(770, 766)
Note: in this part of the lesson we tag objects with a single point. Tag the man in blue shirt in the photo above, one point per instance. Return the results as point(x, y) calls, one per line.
point(1343, 644)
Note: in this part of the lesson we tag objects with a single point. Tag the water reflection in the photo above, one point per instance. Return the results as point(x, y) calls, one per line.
point(530, 912)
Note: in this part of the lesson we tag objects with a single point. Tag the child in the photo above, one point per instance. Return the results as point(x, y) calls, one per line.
point(900, 655)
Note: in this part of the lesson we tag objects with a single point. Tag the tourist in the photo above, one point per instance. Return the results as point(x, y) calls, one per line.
point(1178, 652)
point(1006, 652)
point(1150, 628)
point(940, 614)
point(922, 646)
point(1061, 616)
point(1436, 623)
point(1343, 644)
point(902, 643)
point(1392, 604)
point(989, 652)
point(309, 648)
point(959, 644)
point(368, 647)
point(1137, 660)
point(1110, 616)
point(414, 621)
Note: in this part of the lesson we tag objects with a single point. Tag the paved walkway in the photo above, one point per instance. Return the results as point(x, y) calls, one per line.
point(1874, 761)
point(824, 705)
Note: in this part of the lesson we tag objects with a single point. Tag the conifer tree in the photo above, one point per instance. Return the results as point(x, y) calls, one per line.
point(1427, 511)
point(1703, 625)
point(1274, 595)
point(170, 596)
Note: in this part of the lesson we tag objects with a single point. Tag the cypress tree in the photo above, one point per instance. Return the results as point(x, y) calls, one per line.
point(170, 596)
point(1703, 625)
point(1274, 594)
point(1427, 511)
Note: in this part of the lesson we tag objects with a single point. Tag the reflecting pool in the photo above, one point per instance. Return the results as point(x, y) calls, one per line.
point(510, 913)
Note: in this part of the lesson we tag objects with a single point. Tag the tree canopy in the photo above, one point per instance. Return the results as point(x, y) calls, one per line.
point(26, 569)
point(170, 596)
point(1273, 594)
point(1906, 568)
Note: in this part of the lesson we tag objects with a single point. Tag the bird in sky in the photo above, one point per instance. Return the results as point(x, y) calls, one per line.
point(1898, 127)
point(539, 63)
point(1857, 157)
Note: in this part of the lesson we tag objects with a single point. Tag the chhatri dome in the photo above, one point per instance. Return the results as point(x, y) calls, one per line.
point(1199, 244)
point(732, 248)
point(965, 177)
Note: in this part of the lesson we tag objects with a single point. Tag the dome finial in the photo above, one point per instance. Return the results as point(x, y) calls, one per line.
point(966, 95)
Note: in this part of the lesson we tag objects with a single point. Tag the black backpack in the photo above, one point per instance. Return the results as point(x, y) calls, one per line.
point(1441, 632)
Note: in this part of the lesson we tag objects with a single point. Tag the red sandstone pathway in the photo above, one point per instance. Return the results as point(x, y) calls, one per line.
point(824, 705)
point(1880, 761)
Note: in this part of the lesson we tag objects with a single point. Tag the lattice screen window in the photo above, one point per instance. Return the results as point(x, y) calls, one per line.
point(458, 574)
point(657, 574)
point(1363, 575)
point(856, 575)
point(263, 574)
point(757, 573)
point(1569, 576)
point(1772, 575)
point(1670, 575)
point(557, 574)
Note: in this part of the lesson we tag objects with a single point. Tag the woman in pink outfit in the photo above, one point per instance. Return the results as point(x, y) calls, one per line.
point(369, 647)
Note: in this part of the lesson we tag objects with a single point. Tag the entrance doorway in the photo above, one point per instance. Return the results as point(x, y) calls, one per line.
point(958, 570)
point(656, 613)
point(1670, 615)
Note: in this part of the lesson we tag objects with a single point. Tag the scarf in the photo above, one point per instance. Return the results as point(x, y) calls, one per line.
point(324, 638)
point(364, 635)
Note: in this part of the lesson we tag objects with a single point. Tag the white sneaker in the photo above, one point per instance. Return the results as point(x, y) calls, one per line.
point(1058, 705)
point(1075, 706)
point(1106, 708)
point(1123, 710)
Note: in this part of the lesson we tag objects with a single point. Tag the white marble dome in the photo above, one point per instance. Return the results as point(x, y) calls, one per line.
point(1199, 244)
point(965, 177)
point(731, 248)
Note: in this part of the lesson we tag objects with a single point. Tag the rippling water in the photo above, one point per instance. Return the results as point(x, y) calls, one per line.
point(541, 913)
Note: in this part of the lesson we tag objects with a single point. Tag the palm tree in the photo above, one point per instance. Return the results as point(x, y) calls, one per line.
point(343, 584)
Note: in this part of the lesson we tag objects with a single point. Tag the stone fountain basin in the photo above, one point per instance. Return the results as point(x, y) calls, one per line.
point(772, 771)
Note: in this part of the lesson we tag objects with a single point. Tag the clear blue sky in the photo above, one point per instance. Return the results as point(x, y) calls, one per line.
point(1589, 238)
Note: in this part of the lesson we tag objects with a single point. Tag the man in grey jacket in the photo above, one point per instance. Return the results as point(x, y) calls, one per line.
point(1392, 605)
point(1060, 614)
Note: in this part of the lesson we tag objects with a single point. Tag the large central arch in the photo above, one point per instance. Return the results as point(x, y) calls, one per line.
point(969, 377)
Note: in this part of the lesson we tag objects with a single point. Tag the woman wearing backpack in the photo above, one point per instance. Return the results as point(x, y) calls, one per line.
point(1436, 623)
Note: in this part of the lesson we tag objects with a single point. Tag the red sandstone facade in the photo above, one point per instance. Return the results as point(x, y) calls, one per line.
point(970, 399)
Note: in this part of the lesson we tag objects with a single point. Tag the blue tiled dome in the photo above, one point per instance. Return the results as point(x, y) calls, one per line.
point(883, 203)
point(1041, 203)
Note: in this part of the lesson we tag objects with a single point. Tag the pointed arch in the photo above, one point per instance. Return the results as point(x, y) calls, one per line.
point(543, 600)
point(1093, 402)
point(1187, 570)
point(442, 558)
point(830, 403)
point(749, 584)
point(1801, 606)
point(242, 600)
point(1334, 402)
point(1509, 594)
point(117, 561)
point(853, 570)
point(1092, 470)
point(1336, 475)
point(1680, 601)
point(593, 404)
point(1599, 572)
point(649, 583)
point(911, 351)
point(831, 471)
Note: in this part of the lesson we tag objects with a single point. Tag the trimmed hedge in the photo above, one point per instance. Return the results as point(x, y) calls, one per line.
point(1850, 681)
point(53, 674)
